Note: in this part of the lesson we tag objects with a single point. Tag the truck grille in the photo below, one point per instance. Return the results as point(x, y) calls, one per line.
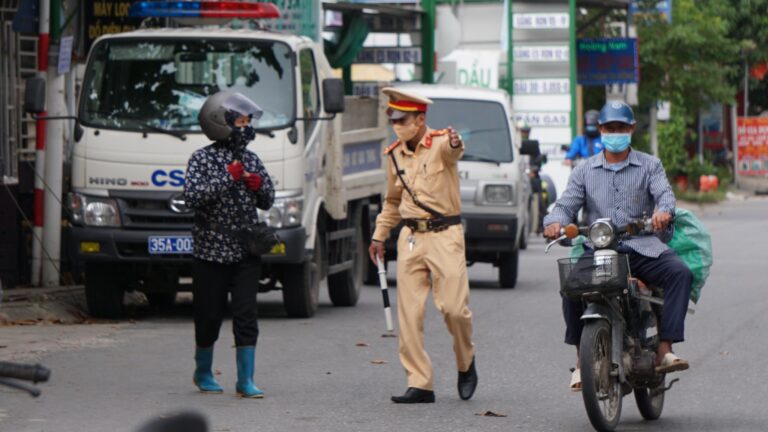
point(151, 211)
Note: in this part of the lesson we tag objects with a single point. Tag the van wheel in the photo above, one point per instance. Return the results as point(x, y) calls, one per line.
point(344, 287)
point(301, 284)
point(103, 294)
point(508, 263)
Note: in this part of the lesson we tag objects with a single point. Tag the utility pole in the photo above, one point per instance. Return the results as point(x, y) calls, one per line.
point(54, 160)
point(653, 129)
point(428, 42)
point(42, 68)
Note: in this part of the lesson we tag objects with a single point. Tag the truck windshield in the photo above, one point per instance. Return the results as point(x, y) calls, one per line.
point(482, 125)
point(143, 84)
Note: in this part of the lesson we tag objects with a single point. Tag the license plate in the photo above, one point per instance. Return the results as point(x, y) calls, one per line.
point(169, 245)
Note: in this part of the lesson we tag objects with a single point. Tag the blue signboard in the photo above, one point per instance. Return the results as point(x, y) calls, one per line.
point(662, 7)
point(361, 157)
point(607, 61)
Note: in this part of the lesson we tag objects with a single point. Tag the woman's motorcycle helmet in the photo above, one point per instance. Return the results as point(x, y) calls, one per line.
point(616, 112)
point(219, 112)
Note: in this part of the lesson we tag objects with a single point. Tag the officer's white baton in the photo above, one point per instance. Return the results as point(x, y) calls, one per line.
point(385, 293)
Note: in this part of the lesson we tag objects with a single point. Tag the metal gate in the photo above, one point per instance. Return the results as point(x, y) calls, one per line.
point(18, 60)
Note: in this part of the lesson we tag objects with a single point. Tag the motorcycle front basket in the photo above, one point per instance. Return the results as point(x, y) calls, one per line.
point(590, 275)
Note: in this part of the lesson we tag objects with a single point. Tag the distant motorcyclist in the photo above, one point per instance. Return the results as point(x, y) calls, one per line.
point(587, 145)
point(225, 185)
point(624, 184)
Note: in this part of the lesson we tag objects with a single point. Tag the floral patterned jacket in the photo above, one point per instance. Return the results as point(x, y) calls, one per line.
point(216, 198)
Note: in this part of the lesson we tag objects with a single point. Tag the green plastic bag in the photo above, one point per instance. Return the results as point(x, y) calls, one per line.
point(691, 242)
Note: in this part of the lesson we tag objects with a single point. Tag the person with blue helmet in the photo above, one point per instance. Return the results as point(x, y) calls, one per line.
point(625, 184)
point(587, 145)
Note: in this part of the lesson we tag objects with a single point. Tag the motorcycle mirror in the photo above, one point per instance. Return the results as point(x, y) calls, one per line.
point(571, 231)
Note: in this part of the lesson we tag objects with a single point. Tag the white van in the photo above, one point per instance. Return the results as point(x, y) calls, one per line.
point(495, 188)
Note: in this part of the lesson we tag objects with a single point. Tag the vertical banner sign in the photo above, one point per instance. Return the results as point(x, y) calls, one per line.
point(752, 136)
point(106, 17)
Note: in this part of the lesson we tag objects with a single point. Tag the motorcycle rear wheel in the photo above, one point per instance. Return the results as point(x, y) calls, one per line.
point(600, 389)
point(649, 405)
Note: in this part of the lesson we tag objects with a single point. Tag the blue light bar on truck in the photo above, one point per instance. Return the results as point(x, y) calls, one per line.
point(204, 9)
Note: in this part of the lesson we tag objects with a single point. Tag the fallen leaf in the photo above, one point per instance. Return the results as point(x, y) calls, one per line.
point(489, 413)
point(389, 335)
point(378, 362)
point(216, 372)
point(361, 344)
point(724, 353)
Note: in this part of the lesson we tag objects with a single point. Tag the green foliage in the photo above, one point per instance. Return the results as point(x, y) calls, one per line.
point(690, 59)
point(671, 136)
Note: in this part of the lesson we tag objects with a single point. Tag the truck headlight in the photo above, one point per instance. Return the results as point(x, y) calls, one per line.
point(498, 194)
point(93, 211)
point(601, 233)
point(286, 212)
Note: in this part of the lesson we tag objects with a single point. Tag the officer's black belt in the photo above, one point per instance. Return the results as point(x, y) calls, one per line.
point(434, 224)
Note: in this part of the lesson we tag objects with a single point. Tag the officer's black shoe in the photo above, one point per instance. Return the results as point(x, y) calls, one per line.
point(468, 382)
point(415, 395)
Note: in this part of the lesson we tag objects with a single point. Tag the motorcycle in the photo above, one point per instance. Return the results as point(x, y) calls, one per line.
point(618, 345)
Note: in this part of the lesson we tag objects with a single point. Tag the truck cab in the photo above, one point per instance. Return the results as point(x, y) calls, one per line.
point(128, 225)
point(495, 188)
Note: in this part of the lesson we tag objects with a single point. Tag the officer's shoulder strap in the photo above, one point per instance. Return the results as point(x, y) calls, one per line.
point(434, 133)
point(392, 147)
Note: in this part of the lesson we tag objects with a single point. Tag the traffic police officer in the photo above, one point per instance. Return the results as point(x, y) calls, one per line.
point(423, 193)
point(225, 185)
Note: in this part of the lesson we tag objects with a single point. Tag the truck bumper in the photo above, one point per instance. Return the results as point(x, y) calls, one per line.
point(131, 246)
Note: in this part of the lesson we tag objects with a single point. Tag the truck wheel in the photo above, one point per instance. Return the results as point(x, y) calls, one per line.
point(524, 233)
point(344, 287)
point(301, 284)
point(161, 300)
point(508, 269)
point(103, 293)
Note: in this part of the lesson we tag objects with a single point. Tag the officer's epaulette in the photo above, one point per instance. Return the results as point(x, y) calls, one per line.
point(435, 133)
point(392, 147)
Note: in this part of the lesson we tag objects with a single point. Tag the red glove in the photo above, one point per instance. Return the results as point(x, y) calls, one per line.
point(253, 181)
point(236, 170)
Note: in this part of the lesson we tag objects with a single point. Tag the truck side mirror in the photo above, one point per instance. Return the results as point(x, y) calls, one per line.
point(530, 148)
point(34, 95)
point(333, 95)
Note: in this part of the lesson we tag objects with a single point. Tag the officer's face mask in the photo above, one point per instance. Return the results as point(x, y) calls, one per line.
point(616, 142)
point(406, 131)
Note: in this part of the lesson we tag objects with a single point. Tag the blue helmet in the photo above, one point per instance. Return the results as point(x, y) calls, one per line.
point(616, 112)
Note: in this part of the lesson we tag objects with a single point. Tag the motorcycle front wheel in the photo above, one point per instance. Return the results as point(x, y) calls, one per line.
point(650, 401)
point(600, 388)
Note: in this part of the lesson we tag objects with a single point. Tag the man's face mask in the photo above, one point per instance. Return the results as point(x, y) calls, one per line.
point(616, 142)
point(406, 132)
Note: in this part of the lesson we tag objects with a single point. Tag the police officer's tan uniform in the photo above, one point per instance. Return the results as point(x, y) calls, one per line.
point(430, 259)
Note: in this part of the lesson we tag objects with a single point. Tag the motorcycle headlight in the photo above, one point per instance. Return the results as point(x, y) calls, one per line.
point(601, 234)
point(93, 211)
point(498, 194)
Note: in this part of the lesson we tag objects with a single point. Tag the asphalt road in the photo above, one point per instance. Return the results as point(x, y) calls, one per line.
point(317, 378)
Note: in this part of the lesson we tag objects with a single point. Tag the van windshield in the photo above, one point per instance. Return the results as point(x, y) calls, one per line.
point(162, 83)
point(482, 125)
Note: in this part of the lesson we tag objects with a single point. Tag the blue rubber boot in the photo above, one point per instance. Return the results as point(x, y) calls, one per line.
point(203, 378)
point(246, 358)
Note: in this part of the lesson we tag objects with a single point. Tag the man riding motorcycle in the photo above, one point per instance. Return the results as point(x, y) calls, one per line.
point(624, 184)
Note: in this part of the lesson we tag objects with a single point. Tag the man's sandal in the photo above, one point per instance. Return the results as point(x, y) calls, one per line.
point(576, 380)
point(672, 363)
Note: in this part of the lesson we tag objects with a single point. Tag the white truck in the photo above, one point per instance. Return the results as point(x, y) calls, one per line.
point(129, 228)
point(495, 188)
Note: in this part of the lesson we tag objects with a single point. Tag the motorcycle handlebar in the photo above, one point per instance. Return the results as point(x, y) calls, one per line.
point(35, 373)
